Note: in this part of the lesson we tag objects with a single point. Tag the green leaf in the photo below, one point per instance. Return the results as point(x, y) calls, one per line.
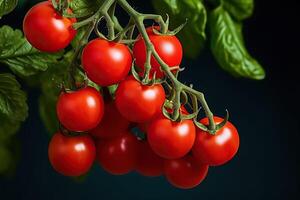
point(83, 8)
point(228, 46)
point(239, 9)
point(50, 83)
point(20, 56)
point(8, 128)
point(12, 98)
point(6, 6)
point(193, 35)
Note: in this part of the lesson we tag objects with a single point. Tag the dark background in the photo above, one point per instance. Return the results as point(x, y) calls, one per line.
point(265, 113)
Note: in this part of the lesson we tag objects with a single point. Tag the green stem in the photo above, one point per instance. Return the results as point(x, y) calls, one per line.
point(177, 86)
point(73, 66)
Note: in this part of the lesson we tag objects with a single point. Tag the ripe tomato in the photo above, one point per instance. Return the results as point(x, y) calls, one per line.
point(137, 102)
point(168, 48)
point(216, 149)
point(71, 156)
point(80, 110)
point(169, 139)
point(106, 63)
point(118, 155)
point(46, 29)
point(112, 124)
point(185, 173)
point(148, 163)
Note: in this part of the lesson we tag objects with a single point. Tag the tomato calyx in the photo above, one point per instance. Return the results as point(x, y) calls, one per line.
point(62, 7)
point(145, 78)
point(210, 130)
point(69, 133)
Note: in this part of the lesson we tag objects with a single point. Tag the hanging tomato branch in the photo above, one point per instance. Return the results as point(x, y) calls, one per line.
point(119, 83)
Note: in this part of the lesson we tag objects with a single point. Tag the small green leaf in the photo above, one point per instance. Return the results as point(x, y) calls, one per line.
point(239, 9)
point(83, 8)
point(193, 34)
point(20, 56)
point(228, 46)
point(6, 6)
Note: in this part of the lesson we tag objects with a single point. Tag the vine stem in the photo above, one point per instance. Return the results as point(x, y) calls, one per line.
point(178, 86)
point(73, 66)
point(138, 19)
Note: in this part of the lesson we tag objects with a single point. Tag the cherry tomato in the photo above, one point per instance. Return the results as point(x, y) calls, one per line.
point(169, 139)
point(185, 173)
point(216, 149)
point(118, 155)
point(46, 29)
point(149, 163)
point(112, 124)
point(168, 48)
point(71, 155)
point(80, 110)
point(137, 102)
point(106, 63)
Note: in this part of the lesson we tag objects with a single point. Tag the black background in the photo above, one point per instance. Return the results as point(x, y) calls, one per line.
point(265, 113)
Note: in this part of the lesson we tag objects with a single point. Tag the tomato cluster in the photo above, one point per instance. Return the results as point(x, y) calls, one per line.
point(178, 150)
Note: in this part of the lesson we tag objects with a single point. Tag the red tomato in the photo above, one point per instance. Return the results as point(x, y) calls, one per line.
point(149, 163)
point(216, 149)
point(46, 29)
point(137, 102)
point(106, 63)
point(71, 156)
point(168, 48)
point(169, 139)
point(80, 110)
point(118, 155)
point(113, 123)
point(185, 173)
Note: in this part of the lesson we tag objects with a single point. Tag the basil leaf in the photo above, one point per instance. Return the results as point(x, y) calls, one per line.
point(20, 56)
point(193, 34)
point(228, 46)
point(6, 6)
point(239, 9)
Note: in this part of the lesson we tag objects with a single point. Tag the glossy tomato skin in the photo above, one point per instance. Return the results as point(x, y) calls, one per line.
point(139, 103)
point(216, 149)
point(112, 125)
point(148, 163)
point(71, 155)
point(168, 48)
point(169, 139)
point(80, 110)
point(106, 63)
point(185, 173)
point(47, 30)
point(118, 155)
